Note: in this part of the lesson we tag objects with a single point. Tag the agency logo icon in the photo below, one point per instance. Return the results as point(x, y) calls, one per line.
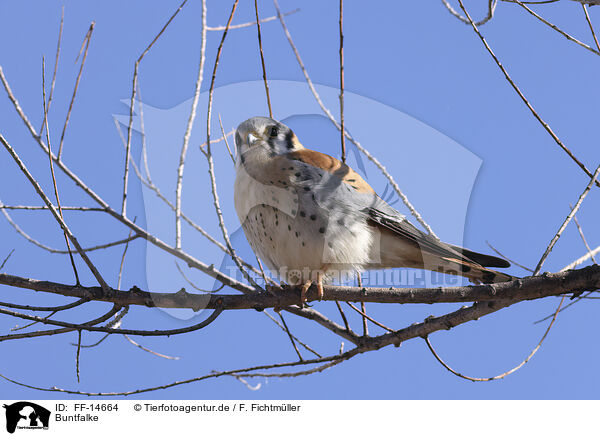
point(26, 415)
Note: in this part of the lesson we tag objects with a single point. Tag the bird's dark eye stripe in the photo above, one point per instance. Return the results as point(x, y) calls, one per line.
point(288, 139)
point(274, 132)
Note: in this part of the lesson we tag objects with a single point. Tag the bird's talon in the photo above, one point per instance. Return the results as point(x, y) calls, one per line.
point(303, 292)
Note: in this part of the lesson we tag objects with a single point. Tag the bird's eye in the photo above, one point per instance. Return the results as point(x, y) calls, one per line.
point(274, 132)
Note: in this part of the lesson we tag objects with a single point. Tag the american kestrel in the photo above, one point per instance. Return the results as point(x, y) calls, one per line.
point(310, 217)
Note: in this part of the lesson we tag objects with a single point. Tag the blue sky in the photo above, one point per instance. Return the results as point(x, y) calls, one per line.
point(423, 95)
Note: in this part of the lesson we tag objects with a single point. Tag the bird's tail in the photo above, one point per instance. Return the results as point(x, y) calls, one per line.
point(473, 271)
point(433, 255)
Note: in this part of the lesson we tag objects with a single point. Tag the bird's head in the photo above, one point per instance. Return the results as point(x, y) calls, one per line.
point(265, 136)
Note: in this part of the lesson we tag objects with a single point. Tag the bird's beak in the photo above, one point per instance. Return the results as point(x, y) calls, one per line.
point(251, 139)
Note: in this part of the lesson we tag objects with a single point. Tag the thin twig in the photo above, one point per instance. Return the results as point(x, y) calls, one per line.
point(150, 185)
point(54, 309)
point(78, 353)
point(132, 106)
point(566, 221)
point(568, 267)
point(214, 315)
point(56, 215)
point(148, 350)
point(522, 96)
point(342, 129)
point(251, 23)
point(142, 133)
point(488, 17)
point(52, 168)
point(363, 150)
point(290, 336)
point(245, 383)
point(541, 2)
point(553, 26)
point(76, 208)
point(245, 372)
point(26, 326)
point(306, 347)
point(506, 258)
point(123, 258)
point(192, 283)
point(587, 18)
point(86, 42)
point(363, 307)
point(582, 259)
point(343, 315)
point(226, 141)
point(262, 59)
point(60, 30)
point(367, 317)
point(37, 243)
point(6, 259)
point(504, 374)
point(209, 158)
point(188, 130)
point(583, 237)
point(43, 333)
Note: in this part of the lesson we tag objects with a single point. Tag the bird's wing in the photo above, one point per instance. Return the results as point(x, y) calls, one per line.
point(405, 231)
point(333, 167)
point(333, 184)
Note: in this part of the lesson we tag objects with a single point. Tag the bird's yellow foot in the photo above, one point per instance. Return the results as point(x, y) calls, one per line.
point(320, 285)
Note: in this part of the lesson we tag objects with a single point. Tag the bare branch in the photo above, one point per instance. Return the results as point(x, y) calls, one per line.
point(73, 326)
point(491, 7)
point(587, 18)
point(86, 42)
point(580, 230)
point(132, 105)
point(262, 60)
point(56, 215)
point(208, 269)
point(566, 221)
point(367, 317)
point(343, 315)
point(52, 167)
point(506, 258)
point(528, 288)
point(41, 333)
point(582, 259)
point(209, 158)
point(529, 106)
point(306, 347)
point(510, 371)
point(287, 330)
point(342, 129)
point(226, 141)
point(251, 23)
point(6, 259)
point(54, 309)
point(77, 355)
point(363, 150)
point(188, 130)
point(60, 30)
point(148, 350)
point(562, 32)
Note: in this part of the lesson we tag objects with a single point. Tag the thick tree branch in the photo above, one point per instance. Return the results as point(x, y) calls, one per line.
point(529, 288)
